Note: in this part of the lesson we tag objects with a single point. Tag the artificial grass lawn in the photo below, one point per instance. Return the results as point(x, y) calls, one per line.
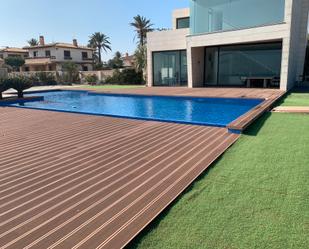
point(111, 86)
point(296, 99)
point(255, 196)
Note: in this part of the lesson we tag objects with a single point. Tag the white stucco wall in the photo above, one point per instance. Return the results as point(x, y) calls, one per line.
point(58, 52)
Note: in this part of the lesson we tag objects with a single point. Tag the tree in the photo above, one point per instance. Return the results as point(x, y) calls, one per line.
point(140, 58)
point(33, 42)
point(116, 62)
point(15, 62)
point(142, 26)
point(19, 84)
point(100, 41)
point(71, 71)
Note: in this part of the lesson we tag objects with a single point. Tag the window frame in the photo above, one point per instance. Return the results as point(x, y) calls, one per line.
point(182, 18)
point(67, 57)
point(178, 84)
point(47, 52)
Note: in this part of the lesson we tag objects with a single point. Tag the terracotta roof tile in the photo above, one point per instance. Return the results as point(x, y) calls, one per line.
point(14, 50)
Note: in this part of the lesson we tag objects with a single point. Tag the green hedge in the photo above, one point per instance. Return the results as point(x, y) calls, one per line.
point(44, 79)
point(125, 77)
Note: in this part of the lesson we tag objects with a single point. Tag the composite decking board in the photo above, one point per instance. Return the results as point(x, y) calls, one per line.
point(244, 121)
point(115, 199)
point(71, 180)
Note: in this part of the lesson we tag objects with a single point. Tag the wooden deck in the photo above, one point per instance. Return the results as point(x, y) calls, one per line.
point(292, 109)
point(270, 96)
point(79, 181)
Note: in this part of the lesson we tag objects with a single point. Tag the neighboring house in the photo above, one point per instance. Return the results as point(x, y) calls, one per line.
point(128, 61)
point(51, 56)
point(243, 43)
point(13, 52)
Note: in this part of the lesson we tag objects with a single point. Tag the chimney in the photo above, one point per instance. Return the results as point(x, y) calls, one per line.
point(75, 43)
point(127, 55)
point(42, 42)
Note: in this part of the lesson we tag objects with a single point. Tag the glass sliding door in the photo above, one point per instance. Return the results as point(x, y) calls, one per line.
point(211, 65)
point(237, 65)
point(170, 68)
point(183, 69)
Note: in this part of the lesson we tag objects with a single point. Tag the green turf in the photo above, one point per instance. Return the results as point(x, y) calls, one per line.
point(111, 86)
point(295, 99)
point(255, 196)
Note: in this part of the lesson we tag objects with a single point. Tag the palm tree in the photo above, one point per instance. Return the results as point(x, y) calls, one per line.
point(100, 41)
point(33, 42)
point(71, 72)
point(140, 60)
point(142, 26)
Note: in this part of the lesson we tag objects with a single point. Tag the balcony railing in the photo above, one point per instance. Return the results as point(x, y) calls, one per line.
point(87, 59)
point(41, 57)
point(53, 58)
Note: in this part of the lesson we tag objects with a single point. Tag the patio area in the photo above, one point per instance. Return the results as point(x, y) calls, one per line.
point(82, 181)
point(78, 181)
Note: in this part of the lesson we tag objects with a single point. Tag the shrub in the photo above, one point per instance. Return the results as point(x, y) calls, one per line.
point(15, 62)
point(19, 84)
point(71, 73)
point(44, 78)
point(98, 66)
point(91, 78)
point(126, 76)
point(3, 86)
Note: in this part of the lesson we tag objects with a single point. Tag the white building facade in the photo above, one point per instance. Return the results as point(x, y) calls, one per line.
point(51, 57)
point(231, 43)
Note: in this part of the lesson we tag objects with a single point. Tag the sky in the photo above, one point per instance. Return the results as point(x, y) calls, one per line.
point(63, 20)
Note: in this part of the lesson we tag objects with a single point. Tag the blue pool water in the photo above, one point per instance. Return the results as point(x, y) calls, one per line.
point(201, 111)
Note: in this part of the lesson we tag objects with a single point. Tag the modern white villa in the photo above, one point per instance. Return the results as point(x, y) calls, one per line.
point(51, 56)
point(241, 43)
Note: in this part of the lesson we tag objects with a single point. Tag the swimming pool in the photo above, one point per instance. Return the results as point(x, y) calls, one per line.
point(190, 110)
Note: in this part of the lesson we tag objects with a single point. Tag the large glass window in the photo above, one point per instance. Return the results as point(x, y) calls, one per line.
point(243, 65)
point(170, 68)
point(183, 23)
point(219, 15)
